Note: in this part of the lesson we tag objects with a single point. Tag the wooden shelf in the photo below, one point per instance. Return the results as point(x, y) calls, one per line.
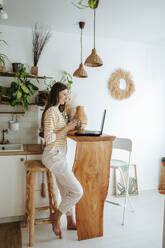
point(12, 74)
point(7, 103)
point(14, 113)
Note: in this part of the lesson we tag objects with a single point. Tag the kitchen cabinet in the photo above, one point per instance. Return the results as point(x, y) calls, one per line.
point(12, 185)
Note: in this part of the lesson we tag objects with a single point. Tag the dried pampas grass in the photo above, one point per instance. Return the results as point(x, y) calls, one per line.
point(114, 84)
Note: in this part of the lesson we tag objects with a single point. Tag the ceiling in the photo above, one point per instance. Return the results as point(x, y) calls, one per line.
point(141, 21)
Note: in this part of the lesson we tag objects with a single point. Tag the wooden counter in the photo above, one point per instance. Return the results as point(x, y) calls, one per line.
point(29, 149)
point(92, 168)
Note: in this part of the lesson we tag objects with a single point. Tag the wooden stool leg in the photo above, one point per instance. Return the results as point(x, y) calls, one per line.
point(52, 198)
point(27, 198)
point(32, 208)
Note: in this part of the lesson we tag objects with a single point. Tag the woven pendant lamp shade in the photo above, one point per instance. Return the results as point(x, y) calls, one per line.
point(80, 72)
point(93, 59)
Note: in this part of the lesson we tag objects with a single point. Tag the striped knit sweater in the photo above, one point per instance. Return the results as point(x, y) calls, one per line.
point(53, 122)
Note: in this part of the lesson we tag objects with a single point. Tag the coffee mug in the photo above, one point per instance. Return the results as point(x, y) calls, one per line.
point(14, 125)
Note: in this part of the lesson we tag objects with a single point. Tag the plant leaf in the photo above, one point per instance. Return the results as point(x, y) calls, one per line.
point(19, 94)
point(25, 89)
point(13, 102)
point(93, 3)
point(24, 105)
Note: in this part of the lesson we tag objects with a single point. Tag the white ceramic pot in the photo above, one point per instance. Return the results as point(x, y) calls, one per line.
point(14, 125)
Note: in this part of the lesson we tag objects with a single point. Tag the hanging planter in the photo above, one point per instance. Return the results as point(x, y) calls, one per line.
point(92, 4)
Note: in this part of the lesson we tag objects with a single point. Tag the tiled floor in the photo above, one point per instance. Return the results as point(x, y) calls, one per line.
point(143, 228)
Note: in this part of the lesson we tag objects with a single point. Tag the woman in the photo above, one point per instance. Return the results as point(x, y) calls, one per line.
point(54, 155)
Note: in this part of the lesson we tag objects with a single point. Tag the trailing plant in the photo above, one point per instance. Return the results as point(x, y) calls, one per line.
point(3, 57)
point(20, 90)
point(67, 79)
point(93, 4)
point(40, 39)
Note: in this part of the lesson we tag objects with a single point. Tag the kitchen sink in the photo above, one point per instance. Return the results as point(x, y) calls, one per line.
point(11, 147)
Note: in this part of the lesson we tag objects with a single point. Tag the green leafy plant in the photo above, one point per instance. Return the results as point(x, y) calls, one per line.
point(3, 57)
point(49, 85)
point(67, 79)
point(20, 91)
point(93, 4)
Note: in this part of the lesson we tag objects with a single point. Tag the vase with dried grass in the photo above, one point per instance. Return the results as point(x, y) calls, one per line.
point(40, 37)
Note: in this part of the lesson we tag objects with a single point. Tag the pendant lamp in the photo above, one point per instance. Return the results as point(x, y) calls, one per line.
point(93, 59)
point(80, 72)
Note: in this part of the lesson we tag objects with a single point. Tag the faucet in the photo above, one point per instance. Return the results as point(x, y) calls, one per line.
point(3, 136)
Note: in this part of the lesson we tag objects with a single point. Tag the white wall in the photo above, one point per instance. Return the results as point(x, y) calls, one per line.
point(141, 117)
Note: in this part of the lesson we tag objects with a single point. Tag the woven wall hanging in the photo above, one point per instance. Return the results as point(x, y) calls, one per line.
point(114, 84)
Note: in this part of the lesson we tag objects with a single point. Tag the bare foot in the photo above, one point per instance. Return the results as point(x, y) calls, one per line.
point(56, 225)
point(71, 225)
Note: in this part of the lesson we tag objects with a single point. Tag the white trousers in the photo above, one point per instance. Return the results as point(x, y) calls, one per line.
point(54, 158)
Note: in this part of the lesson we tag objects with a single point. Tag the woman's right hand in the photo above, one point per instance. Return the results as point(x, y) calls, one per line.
point(71, 125)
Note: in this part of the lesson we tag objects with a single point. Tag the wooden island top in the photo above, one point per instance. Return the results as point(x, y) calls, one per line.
point(103, 137)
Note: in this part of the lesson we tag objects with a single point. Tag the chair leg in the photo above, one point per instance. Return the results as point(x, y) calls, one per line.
point(126, 185)
point(125, 201)
point(32, 208)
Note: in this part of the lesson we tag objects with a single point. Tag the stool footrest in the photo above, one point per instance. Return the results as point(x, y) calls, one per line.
point(42, 221)
point(42, 208)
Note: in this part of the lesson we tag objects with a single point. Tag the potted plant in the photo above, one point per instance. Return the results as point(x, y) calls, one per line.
point(20, 90)
point(93, 4)
point(40, 38)
point(3, 57)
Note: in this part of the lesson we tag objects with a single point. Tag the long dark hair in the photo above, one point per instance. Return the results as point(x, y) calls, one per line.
point(53, 100)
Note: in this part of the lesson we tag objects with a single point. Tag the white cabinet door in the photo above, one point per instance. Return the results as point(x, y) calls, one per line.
point(12, 185)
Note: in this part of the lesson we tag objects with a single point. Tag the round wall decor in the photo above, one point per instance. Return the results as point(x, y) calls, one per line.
point(116, 84)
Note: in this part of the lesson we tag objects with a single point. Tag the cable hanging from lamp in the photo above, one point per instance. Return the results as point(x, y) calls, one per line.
point(93, 59)
point(80, 72)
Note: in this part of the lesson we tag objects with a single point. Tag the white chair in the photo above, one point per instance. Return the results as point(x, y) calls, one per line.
point(126, 145)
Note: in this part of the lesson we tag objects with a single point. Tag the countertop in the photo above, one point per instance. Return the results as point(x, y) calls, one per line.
point(29, 149)
point(103, 137)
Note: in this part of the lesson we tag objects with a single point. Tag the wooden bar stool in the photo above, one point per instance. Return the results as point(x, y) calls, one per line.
point(34, 166)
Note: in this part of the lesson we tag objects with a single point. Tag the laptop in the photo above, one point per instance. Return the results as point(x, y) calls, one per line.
point(92, 133)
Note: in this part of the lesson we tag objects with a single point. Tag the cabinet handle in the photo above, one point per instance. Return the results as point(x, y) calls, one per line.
point(21, 159)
